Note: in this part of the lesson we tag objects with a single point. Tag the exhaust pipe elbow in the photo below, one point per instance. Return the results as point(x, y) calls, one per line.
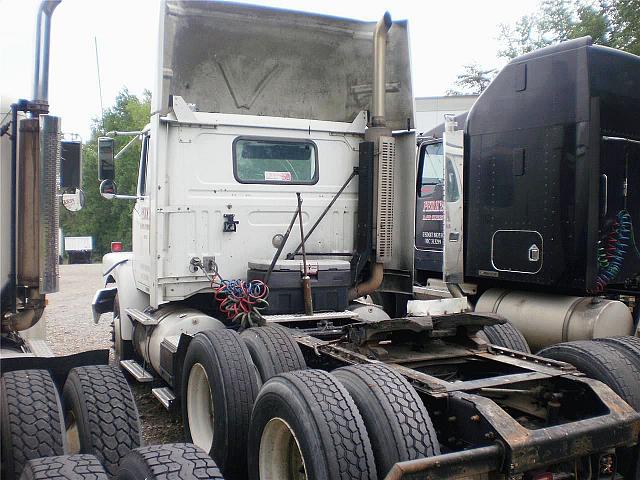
point(22, 320)
point(41, 66)
point(369, 286)
point(379, 80)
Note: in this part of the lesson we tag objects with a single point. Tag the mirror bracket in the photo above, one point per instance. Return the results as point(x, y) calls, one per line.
point(109, 190)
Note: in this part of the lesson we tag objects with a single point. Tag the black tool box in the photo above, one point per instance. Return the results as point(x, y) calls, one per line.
point(330, 280)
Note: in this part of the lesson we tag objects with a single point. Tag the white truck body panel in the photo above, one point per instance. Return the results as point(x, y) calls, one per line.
point(77, 244)
point(119, 266)
point(193, 194)
point(5, 195)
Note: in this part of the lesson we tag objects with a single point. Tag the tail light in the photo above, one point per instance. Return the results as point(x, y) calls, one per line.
point(116, 246)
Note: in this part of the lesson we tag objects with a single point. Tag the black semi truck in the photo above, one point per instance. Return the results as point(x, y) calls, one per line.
point(548, 189)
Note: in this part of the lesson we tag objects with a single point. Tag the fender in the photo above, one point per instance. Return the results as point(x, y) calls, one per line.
point(118, 270)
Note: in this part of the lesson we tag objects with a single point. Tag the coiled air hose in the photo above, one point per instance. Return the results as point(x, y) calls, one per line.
point(242, 301)
point(612, 250)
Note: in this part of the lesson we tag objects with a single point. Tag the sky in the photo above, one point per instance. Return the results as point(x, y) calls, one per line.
point(445, 36)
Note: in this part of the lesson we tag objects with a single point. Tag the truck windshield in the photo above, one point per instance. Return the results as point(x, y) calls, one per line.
point(275, 161)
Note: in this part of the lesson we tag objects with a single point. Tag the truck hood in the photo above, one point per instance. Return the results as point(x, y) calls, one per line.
point(241, 59)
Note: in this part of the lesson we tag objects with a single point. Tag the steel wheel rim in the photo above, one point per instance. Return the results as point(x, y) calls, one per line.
point(280, 456)
point(200, 408)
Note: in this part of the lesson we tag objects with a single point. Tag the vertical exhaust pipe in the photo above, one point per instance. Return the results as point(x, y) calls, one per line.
point(41, 67)
point(379, 74)
point(377, 129)
point(34, 206)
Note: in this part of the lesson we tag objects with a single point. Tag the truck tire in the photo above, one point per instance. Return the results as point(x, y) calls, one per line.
point(174, 461)
point(306, 423)
point(602, 361)
point(122, 349)
point(506, 336)
point(397, 421)
point(65, 467)
point(219, 386)
point(628, 345)
point(273, 351)
point(30, 419)
point(101, 414)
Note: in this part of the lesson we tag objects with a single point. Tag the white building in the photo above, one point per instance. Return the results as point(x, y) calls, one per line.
point(430, 111)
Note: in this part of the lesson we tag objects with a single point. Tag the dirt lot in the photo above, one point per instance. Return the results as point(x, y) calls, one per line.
point(70, 329)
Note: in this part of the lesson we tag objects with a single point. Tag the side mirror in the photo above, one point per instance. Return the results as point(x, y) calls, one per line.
point(106, 161)
point(108, 189)
point(73, 201)
point(70, 164)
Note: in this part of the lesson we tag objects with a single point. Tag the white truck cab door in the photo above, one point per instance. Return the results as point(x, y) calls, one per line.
point(141, 220)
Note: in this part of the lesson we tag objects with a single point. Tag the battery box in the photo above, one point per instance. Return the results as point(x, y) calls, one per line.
point(330, 281)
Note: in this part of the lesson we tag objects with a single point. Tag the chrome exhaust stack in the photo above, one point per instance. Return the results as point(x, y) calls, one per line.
point(41, 66)
point(35, 185)
point(383, 160)
point(379, 73)
point(384, 149)
point(48, 158)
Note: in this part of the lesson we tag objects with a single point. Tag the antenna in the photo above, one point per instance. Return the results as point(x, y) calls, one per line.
point(95, 40)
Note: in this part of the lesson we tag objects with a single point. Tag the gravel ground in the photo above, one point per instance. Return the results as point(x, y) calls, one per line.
point(70, 329)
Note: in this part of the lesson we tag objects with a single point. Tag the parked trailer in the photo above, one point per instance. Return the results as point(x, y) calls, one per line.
point(266, 343)
point(67, 417)
point(78, 249)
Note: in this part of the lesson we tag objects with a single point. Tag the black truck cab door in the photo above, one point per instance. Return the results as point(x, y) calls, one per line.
point(430, 207)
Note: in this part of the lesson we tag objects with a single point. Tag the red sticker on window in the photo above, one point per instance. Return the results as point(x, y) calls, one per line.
point(278, 176)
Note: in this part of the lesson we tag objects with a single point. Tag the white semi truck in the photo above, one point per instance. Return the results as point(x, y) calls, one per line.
point(61, 417)
point(272, 178)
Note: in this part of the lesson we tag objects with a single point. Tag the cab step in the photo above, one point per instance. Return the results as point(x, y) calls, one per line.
point(137, 371)
point(301, 317)
point(165, 396)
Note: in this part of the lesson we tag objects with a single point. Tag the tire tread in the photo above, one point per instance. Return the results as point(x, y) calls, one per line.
point(175, 461)
point(352, 447)
point(32, 415)
point(507, 336)
point(402, 407)
point(284, 354)
point(113, 421)
point(65, 467)
point(603, 362)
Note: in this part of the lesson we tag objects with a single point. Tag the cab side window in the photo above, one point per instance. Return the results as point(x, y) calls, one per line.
point(142, 174)
point(431, 179)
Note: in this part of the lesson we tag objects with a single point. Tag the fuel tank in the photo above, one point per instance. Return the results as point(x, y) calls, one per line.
point(173, 320)
point(545, 319)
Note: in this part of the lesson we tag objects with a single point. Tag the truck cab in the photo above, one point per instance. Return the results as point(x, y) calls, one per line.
point(549, 213)
point(272, 202)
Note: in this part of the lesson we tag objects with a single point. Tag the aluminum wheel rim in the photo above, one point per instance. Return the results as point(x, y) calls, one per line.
point(200, 407)
point(116, 335)
point(280, 456)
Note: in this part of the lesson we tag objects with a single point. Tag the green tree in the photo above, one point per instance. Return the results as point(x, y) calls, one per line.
point(624, 17)
point(614, 23)
point(106, 220)
point(473, 81)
